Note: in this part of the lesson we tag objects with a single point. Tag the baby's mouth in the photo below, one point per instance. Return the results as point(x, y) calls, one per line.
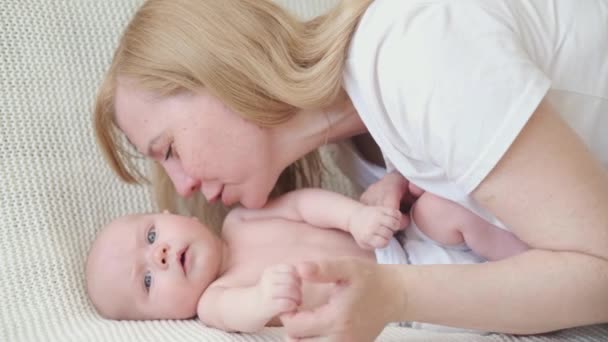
point(182, 259)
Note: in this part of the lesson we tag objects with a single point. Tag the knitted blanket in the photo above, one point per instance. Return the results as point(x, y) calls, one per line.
point(55, 189)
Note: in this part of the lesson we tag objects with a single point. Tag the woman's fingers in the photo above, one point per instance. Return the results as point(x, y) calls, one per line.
point(359, 307)
point(325, 271)
point(308, 323)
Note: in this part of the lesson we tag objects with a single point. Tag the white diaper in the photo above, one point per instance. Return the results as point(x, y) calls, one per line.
point(419, 249)
point(393, 254)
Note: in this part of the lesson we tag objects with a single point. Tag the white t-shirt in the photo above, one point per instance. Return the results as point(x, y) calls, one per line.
point(445, 86)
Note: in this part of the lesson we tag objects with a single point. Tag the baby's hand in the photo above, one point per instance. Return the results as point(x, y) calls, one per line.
point(280, 290)
point(372, 227)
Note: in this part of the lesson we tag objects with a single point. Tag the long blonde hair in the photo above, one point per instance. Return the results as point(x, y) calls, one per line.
point(254, 56)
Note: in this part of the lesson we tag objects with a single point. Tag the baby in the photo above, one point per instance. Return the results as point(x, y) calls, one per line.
point(164, 266)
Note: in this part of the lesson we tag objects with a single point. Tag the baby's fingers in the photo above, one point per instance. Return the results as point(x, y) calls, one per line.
point(365, 245)
point(384, 231)
point(391, 222)
point(378, 241)
point(291, 292)
point(284, 305)
point(392, 212)
point(285, 278)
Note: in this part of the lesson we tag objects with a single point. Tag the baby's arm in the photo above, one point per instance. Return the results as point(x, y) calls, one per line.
point(371, 226)
point(249, 309)
point(449, 223)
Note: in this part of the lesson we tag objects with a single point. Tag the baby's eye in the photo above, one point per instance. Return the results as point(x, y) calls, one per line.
point(147, 281)
point(151, 235)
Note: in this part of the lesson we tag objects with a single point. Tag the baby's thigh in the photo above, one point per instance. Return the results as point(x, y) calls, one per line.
point(440, 219)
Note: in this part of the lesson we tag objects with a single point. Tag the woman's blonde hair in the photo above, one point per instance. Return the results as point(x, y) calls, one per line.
point(254, 56)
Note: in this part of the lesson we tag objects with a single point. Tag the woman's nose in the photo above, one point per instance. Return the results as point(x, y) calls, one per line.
point(184, 184)
point(160, 256)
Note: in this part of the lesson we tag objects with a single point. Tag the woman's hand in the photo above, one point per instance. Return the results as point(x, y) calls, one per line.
point(367, 296)
point(391, 191)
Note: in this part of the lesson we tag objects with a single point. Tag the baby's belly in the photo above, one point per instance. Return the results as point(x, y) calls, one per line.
point(252, 252)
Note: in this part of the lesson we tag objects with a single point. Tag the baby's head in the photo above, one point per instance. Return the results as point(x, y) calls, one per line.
point(152, 266)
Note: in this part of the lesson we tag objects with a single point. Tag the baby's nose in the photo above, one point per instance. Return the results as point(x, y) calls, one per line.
point(161, 254)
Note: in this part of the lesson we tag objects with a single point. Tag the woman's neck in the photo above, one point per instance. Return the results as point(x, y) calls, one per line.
point(310, 129)
point(344, 122)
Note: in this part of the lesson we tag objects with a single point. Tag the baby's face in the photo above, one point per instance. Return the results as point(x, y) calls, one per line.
point(152, 267)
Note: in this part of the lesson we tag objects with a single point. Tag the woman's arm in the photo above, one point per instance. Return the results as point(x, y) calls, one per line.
point(560, 207)
point(553, 194)
point(550, 190)
point(560, 211)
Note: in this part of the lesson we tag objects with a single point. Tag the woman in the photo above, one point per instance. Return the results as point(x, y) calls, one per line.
point(499, 106)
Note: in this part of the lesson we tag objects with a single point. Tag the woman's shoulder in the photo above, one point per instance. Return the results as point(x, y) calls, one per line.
point(427, 23)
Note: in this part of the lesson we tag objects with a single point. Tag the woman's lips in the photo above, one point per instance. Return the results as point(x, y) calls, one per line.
point(225, 200)
point(211, 198)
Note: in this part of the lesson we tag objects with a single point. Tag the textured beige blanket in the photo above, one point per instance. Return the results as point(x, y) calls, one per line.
point(55, 190)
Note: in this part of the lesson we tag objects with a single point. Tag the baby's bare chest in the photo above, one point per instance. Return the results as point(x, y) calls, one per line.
point(254, 246)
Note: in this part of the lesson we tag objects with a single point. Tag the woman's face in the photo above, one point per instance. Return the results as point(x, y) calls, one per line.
point(201, 144)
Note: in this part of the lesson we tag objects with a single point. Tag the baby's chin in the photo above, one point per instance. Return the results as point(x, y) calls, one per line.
point(175, 314)
point(255, 201)
point(189, 315)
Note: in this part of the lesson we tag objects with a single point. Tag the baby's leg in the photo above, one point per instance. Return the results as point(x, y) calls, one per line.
point(448, 223)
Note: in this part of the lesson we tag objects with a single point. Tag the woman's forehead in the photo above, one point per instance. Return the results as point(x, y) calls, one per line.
point(138, 115)
point(129, 101)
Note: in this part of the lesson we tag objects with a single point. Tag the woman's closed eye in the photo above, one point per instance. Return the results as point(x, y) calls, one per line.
point(169, 153)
